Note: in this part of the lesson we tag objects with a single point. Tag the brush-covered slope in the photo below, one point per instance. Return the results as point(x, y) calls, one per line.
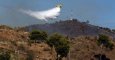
point(17, 44)
point(86, 48)
point(71, 28)
point(81, 47)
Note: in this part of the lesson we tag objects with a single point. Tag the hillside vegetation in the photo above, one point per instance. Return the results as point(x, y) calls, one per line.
point(72, 28)
point(17, 44)
point(72, 43)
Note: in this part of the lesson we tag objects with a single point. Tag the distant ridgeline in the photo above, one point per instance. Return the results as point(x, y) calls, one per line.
point(5, 27)
point(72, 28)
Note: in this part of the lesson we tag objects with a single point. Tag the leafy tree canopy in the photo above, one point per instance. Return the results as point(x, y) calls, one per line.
point(38, 35)
point(60, 43)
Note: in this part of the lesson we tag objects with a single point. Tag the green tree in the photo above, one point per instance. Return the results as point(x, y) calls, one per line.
point(38, 35)
point(61, 45)
point(104, 40)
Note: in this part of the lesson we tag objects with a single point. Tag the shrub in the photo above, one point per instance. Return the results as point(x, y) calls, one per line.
point(101, 57)
point(38, 35)
point(110, 45)
point(4, 56)
point(60, 44)
point(104, 40)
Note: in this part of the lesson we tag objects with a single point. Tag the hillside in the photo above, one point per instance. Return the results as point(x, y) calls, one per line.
point(17, 44)
point(71, 28)
point(82, 47)
point(86, 48)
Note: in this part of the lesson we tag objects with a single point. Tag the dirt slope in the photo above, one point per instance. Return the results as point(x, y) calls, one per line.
point(16, 42)
point(83, 48)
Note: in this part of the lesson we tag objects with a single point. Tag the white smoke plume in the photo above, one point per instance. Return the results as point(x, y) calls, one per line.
point(44, 15)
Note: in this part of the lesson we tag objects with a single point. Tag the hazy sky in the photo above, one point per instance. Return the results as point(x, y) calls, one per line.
point(98, 12)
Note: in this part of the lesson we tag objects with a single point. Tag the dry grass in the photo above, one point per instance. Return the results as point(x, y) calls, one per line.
point(17, 44)
point(85, 49)
point(82, 48)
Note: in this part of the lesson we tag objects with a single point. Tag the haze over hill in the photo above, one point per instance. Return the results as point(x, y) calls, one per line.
point(72, 28)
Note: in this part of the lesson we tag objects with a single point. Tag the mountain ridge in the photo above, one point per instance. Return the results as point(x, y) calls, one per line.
point(71, 28)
